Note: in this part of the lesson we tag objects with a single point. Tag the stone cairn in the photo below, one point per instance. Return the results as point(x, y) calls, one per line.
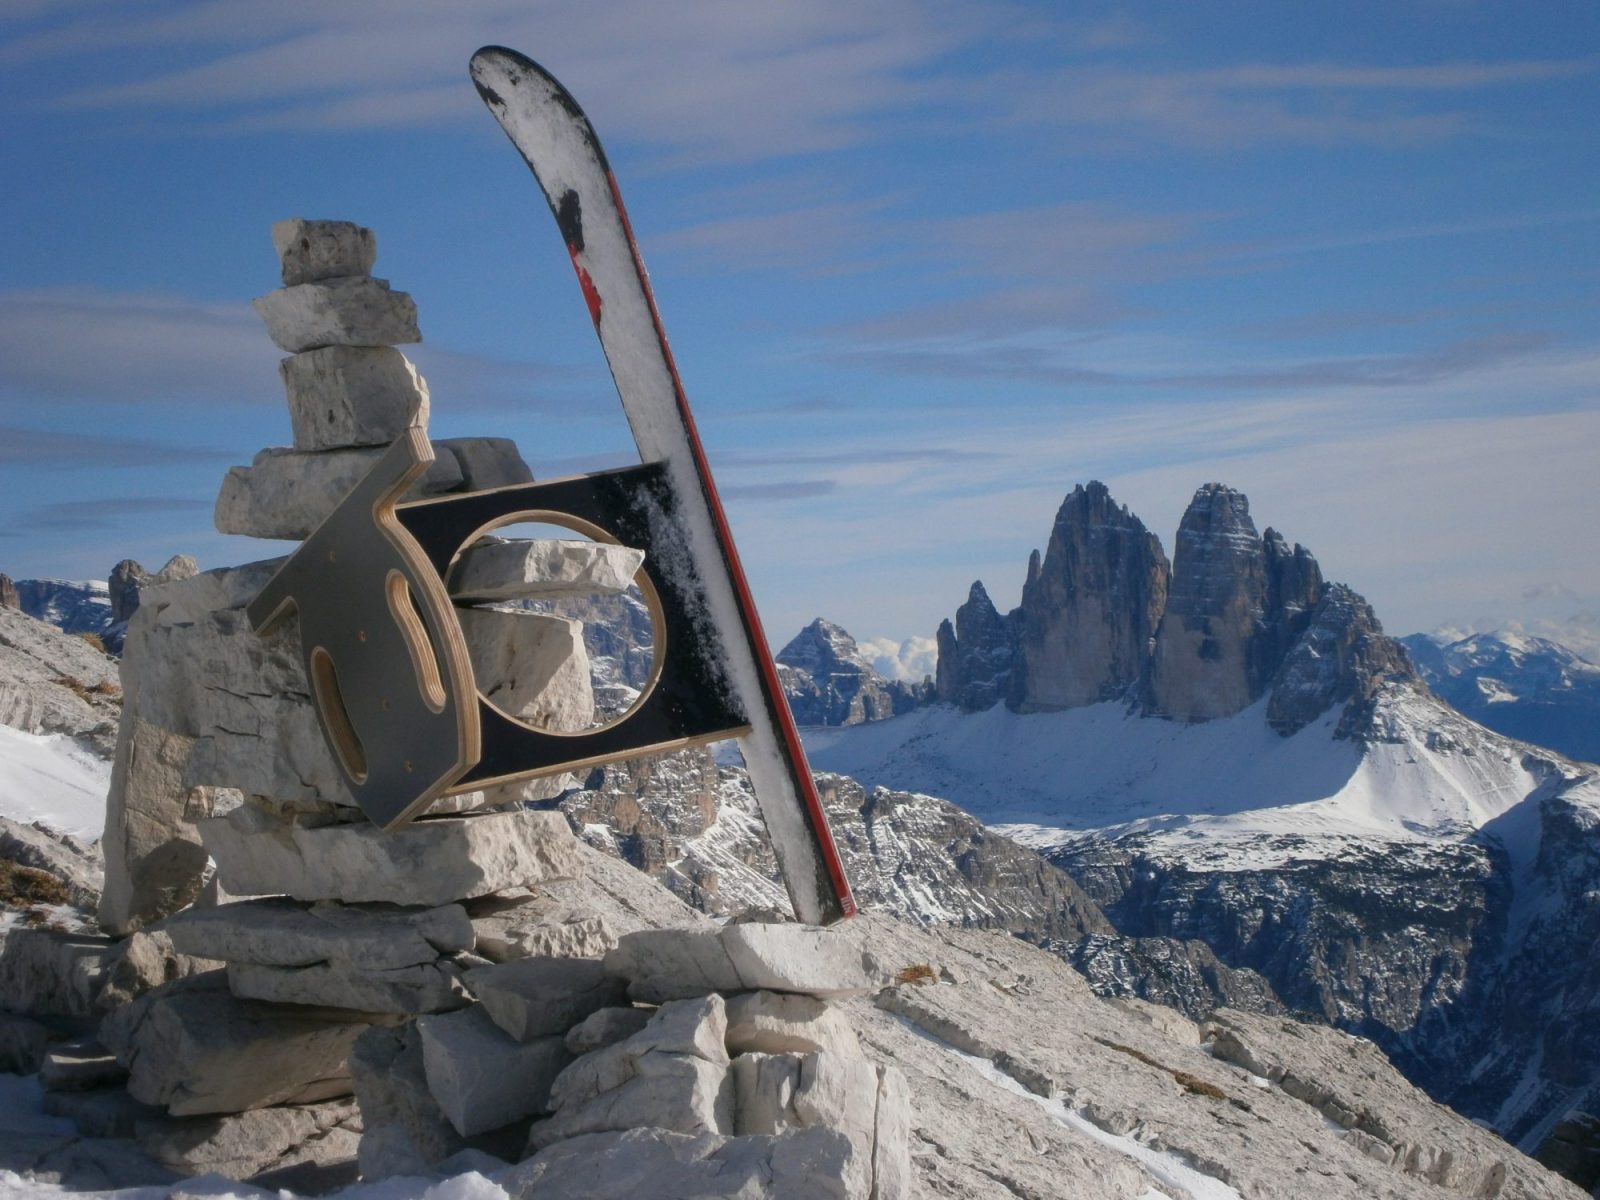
point(439, 975)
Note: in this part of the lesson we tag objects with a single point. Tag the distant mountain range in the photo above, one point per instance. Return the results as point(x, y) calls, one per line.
point(1228, 748)
point(1525, 687)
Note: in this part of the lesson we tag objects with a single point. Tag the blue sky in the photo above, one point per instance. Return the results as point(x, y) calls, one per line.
point(925, 266)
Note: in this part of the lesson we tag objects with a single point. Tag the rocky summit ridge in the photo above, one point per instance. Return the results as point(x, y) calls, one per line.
point(1105, 617)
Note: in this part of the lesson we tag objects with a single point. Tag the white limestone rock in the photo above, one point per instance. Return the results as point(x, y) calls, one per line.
point(606, 1027)
point(263, 1140)
point(671, 1074)
point(193, 1048)
point(780, 1023)
point(666, 964)
point(348, 310)
point(420, 988)
point(79, 1066)
point(46, 973)
point(891, 1137)
point(481, 1077)
point(668, 1091)
point(495, 569)
point(531, 666)
point(1168, 1021)
point(404, 1131)
point(286, 493)
point(429, 862)
point(142, 962)
point(342, 396)
point(537, 997)
point(513, 927)
point(775, 1093)
point(154, 859)
point(282, 933)
point(805, 1165)
point(313, 250)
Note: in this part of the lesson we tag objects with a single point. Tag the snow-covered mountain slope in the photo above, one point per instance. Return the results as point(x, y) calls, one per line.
point(54, 780)
point(72, 605)
point(1519, 685)
point(1049, 778)
point(1427, 883)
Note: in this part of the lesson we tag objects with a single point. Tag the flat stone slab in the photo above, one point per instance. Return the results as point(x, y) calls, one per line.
point(429, 862)
point(313, 250)
point(606, 1027)
point(350, 310)
point(804, 1165)
point(79, 1067)
point(342, 396)
point(480, 1076)
point(286, 493)
point(493, 570)
point(286, 933)
point(669, 964)
point(673, 1074)
point(537, 997)
point(787, 1023)
point(512, 927)
point(240, 1145)
point(193, 1048)
point(421, 988)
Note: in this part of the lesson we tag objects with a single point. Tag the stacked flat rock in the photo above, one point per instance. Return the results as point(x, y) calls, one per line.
point(677, 1046)
point(242, 1063)
point(350, 392)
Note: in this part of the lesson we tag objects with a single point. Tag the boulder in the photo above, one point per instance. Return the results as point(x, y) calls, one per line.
point(421, 988)
point(242, 1145)
point(531, 666)
point(193, 1048)
point(495, 569)
point(405, 1132)
point(666, 964)
point(672, 1074)
point(343, 396)
point(154, 859)
point(283, 933)
point(536, 997)
point(286, 493)
point(141, 962)
point(349, 310)
point(79, 1067)
point(891, 1137)
point(805, 1165)
point(481, 1077)
point(775, 1093)
point(779, 1023)
point(429, 862)
point(47, 973)
point(314, 250)
point(667, 1091)
point(512, 927)
point(606, 1027)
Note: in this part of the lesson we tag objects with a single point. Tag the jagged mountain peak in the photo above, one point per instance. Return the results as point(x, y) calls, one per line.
point(822, 644)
